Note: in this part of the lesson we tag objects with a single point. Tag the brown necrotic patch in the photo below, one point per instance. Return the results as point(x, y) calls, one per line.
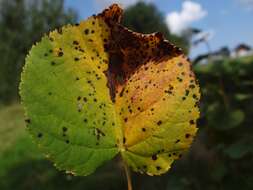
point(128, 50)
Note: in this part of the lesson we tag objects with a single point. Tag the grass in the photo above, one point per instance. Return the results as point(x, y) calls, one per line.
point(15, 143)
point(12, 125)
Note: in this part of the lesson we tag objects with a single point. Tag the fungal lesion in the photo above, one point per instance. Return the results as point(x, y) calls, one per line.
point(122, 45)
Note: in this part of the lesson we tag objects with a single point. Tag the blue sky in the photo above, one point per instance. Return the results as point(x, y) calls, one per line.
point(229, 21)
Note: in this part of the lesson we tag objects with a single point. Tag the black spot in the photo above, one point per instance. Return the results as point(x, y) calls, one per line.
point(125, 119)
point(52, 63)
point(158, 168)
point(28, 121)
point(49, 93)
point(85, 99)
point(67, 141)
point(154, 157)
point(159, 122)
point(95, 100)
point(64, 129)
point(45, 54)
point(179, 79)
point(122, 92)
point(85, 120)
point(60, 54)
point(124, 140)
point(75, 42)
point(92, 31)
point(177, 141)
point(39, 135)
point(86, 31)
point(187, 92)
point(192, 122)
point(143, 129)
point(76, 59)
point(113, 124)
point(187, 135)
point(191, 86)
point(79, 98)
point(77, 78)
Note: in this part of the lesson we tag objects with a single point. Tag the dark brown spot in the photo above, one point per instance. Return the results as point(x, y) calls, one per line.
point(192, 122)
point(86, 31)
point(159, 122)
point(75, 42)
point(154, 157)
point(180, 64)
point(60, 54)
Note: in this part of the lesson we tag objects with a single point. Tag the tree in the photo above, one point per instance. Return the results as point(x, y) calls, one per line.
point(146, 18)
point(21, 24)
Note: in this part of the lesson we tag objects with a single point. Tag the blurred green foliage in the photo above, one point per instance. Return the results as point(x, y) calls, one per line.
point(22, 23)
point(221, 157)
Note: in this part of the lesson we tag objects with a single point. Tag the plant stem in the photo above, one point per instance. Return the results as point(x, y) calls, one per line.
point(129, 181)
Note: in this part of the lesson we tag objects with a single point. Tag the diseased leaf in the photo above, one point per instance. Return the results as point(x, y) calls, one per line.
point(97, 89)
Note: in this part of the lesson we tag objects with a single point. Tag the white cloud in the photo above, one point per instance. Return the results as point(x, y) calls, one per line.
point(123, 3)
point(179, 21)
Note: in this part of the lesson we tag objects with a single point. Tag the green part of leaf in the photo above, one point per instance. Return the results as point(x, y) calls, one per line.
point(64, 90)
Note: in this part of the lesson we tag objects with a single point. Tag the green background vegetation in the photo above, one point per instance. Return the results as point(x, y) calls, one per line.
point(220, 158)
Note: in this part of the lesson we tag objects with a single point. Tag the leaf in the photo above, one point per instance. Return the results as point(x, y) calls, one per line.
point(238, 149)
point(97, 89)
